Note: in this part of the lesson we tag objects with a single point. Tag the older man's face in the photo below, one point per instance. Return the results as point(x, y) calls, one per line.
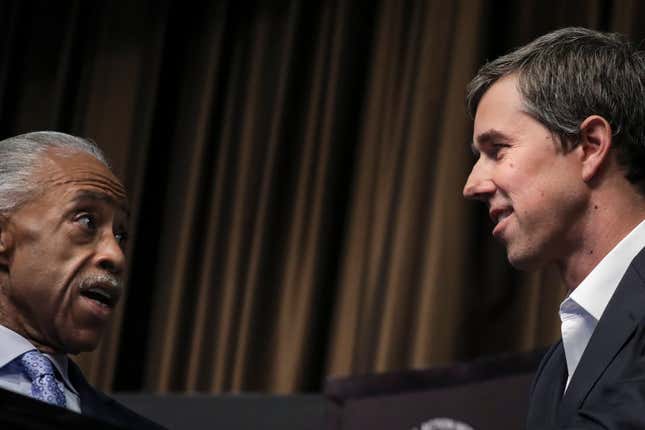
point(64, 255)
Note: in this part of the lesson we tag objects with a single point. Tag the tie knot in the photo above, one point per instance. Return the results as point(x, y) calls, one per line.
point(36, 364)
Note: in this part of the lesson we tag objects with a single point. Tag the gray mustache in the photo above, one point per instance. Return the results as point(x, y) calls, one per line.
point(101, 279)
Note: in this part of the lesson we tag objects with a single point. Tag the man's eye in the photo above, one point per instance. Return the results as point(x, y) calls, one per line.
point(121, 237)
point(87, 221)
point(497, 148)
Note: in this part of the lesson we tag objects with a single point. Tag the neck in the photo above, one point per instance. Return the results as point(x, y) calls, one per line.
point(608, 221)
point(23, 329)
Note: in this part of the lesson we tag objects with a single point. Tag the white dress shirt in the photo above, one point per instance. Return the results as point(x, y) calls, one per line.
point(12, 346)
point(581, 311)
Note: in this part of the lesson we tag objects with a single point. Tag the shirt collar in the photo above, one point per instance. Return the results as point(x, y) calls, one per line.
point(14, 345)
point(595, 291)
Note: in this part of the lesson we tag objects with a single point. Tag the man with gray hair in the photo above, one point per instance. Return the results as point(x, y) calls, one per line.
point(63, 226)
point(559, 131)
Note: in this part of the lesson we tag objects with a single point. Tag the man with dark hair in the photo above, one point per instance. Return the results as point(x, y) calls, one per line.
point(559, 130)
point(63, 222)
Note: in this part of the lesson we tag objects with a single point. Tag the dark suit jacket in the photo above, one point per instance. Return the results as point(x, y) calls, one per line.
point(98, 405)
point(607, 390)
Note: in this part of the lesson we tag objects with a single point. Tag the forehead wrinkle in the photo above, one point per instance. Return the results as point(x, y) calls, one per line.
point(78, 165)
point(84, 176)
point(110, 189)
point(103, 197)
point(107, 186)
point(105, 183)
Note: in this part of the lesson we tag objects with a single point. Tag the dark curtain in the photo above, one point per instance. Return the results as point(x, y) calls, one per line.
point(295, 172)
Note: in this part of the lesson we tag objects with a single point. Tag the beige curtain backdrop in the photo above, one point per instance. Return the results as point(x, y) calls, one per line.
point(295, 171)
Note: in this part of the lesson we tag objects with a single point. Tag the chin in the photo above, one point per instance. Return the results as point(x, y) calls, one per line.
point(82, 342)
point(524, 261)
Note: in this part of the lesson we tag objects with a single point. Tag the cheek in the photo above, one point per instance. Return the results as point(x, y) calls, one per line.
point(510, 179)
point(531, 179)
point(547, 202)
point(43, 271)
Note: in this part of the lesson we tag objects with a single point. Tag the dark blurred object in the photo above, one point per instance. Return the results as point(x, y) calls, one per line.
point(487, 394)
point(231, 411)
point(22, 412)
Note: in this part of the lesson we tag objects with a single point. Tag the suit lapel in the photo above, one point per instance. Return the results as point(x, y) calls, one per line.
point(102, 407)
point(620, 319)
point(91, 403)
point(547, 389)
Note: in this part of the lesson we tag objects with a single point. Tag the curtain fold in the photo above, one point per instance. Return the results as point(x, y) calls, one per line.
point(408, 208)
point(181, 224)
point(297, 294)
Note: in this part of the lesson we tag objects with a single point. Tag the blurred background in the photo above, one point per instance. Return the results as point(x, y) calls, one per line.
point(295, 172)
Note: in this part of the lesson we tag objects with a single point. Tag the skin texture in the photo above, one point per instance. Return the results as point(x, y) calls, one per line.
point(522, 171)
point(68, 237)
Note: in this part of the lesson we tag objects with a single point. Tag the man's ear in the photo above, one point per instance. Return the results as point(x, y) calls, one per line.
point(595, 142)
point(6, 242)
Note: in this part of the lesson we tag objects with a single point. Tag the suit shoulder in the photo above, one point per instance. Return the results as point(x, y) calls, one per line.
point(103, 407)
point(126, 417)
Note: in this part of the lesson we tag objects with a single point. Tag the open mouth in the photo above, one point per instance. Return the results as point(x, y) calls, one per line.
point(105, 294)
point(99, 296)
point(502, 215)
point(498, 216)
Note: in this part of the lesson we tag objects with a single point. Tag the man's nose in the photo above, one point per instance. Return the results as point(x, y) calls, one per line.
point(479, 185)
point(110, 255)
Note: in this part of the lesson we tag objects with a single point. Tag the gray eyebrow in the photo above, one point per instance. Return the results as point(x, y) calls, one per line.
point(102, 197)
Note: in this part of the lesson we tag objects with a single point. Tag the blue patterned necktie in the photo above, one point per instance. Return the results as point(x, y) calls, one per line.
point(44, 385)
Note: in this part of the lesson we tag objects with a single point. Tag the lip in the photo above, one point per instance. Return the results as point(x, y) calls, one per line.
point(501, 225)
point(107, 288)
point(97, 310)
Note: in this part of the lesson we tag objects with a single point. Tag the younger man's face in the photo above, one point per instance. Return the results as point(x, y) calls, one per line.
point(533, 189)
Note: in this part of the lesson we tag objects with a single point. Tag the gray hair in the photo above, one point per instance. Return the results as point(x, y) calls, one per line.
point(20, 155)
point(569, 74)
